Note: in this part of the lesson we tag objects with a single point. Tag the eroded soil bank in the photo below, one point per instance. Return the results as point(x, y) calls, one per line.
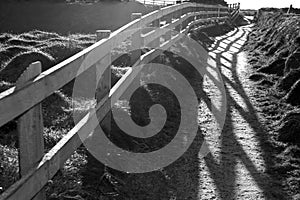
point(273, 49)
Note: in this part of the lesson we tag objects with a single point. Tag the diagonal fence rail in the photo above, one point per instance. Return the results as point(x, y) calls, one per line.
point(23, 101)
point(159, 2)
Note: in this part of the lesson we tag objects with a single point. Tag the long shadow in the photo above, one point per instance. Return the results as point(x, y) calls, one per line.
point(224, 38)
point(180, 180)
point(223, 172)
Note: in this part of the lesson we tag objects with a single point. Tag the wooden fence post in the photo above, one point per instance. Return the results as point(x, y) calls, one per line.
point(136, 40)
point(178, 14)
point(104, 84)
point(156, 42)
point(169, 20)
point(30, 130)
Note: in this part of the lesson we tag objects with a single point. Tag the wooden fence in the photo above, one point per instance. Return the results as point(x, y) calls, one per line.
point(23, 102)
point(160, 2)
point(234, 9)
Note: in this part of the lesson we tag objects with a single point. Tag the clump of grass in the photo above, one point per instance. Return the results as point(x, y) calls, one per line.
point(293, 61)
point(290, 128)
point(289, 80)
point(274, 41)
point(67, 184)
point(257, 77)
point(22, 42)
point(5, 85)
point(121, 59)
point(60, 51)
point(16, 53)
point(275, 67)
point(57, 111)
point(15, 67)
point(265, 82)
point(5, 37)
point(283, 53)
point(293, 96)
point(9, 166)
point(274, 48)
point(43, 35)
point(14, 50)
point(117, 73)
point(10, 52)
point(83, 37)
point(52, 135)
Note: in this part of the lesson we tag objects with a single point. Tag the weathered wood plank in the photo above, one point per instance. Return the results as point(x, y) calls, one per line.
point(33, 181)
point(104, 82)
point(152, 35)
point(59, 75)
point(136, 39)
point(54, 78)
point(30, 129)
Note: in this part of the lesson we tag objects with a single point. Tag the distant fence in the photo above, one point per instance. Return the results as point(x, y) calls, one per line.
point(160, 2)
point(234, 10)
point(23, 102)
point(291, 15)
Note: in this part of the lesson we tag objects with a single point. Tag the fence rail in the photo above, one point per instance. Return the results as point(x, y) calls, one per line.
point(160, 2)
point(23, 101)
point(291, 15)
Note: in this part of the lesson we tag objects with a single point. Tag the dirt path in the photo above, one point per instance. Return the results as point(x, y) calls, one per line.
point(240, 155)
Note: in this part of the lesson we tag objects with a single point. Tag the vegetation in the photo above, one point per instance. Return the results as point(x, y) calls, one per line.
point(274, 52)
point(221, 2)
point(82, 176)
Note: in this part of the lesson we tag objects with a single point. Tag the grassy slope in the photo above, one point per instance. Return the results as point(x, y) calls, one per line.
point(19, 50)
point(274, 47)
point(16, 53)
point(18, 17)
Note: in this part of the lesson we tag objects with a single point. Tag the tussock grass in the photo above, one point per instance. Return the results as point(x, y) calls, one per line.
point(16, 53)
point(22, 42)
point(257, 77)
point(5, 85)
point(72, 181)
point(293, 96)
point(290, 128)
point(9, 166)
point(273, 48)
point(274, 67)
point(293, 61)
point(289, 80)
point(15, 67)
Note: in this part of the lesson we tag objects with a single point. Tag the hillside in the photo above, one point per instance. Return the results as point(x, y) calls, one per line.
point(66, 18)
point(77, 178)
point(274, 53)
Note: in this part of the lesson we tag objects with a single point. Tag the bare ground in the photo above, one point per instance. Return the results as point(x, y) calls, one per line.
point(239, 165)
point(241, 160)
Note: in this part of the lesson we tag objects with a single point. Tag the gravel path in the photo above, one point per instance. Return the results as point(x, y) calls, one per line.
point(240, 156)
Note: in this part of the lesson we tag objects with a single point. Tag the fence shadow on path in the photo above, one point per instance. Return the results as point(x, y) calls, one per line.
point(223, 171)
point(182, 179)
